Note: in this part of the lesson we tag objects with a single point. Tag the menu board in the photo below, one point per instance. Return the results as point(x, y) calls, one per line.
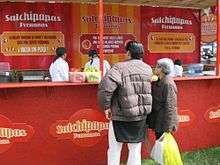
point(31, 43)
point(113, 43)
point(160, 42)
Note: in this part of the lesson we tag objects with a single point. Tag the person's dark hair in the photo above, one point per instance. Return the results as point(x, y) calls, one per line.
point(60, 51)
point(178, 62)
point(136, 49)
point(92, 53)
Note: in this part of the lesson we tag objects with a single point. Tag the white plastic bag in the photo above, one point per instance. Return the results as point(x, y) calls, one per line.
point(157, 151)
point(165, 151)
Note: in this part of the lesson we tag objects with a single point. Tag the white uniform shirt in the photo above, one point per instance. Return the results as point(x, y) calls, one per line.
point(95, 64)
point(59, 70)
point(178, 70)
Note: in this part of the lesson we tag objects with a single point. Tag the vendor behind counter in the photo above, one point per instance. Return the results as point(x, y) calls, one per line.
point(59, 68)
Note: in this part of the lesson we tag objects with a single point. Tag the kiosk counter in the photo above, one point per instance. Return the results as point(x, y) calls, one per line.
point(61, 124)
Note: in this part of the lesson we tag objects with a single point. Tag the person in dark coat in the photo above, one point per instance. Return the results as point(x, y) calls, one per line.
point(125, 97)
point(163, 117)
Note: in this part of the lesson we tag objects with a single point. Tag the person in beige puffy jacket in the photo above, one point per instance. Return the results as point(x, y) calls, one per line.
point(125, 97)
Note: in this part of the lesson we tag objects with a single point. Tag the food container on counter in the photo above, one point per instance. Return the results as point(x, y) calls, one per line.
point(77, 77)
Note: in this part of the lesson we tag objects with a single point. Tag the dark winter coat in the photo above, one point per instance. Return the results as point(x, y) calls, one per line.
point(163, 117)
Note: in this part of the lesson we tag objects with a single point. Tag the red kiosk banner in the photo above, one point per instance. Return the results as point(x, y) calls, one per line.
point(186, 118)
point(170, 32)
point(121, 23)
point(30, 33)
point(212, 115)
point(85, 128)
point(208, 24)
point(11, 133)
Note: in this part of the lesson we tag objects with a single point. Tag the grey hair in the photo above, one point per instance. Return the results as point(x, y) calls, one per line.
point(166, 65)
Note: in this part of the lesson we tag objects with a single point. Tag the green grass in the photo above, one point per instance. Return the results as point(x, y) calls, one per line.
point(202, 157)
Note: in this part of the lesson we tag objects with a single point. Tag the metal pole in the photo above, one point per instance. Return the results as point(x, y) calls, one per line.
point(101, 26)
point(218, 39)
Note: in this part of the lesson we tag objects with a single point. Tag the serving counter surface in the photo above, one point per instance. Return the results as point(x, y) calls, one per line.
point(197, 78)
point(41, 84)
point(59, 84)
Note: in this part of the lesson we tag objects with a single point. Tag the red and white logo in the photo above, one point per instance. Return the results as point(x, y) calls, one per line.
point(186, 118)
point(85, 128)
point(213, 115)
point(11, 133)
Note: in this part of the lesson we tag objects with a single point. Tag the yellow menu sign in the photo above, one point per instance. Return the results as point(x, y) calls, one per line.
point(30, 43)
point(165, 42)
